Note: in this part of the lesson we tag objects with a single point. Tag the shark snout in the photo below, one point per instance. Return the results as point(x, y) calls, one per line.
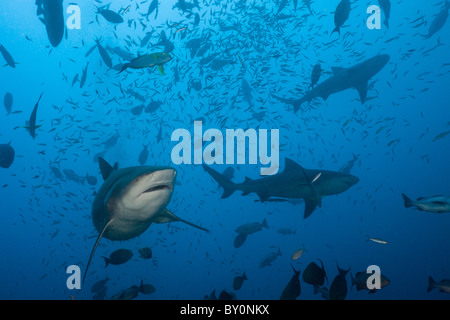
point(351, 180)
point(162, 179)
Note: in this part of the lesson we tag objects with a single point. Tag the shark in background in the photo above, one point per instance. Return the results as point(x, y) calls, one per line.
point(356, 77)
point(294, 182)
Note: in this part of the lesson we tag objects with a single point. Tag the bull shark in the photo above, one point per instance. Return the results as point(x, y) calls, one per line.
point(294, 182)
point(130, 200)
point(356, 77)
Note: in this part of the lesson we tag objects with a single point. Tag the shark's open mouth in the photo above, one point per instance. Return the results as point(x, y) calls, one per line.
point(160, 187)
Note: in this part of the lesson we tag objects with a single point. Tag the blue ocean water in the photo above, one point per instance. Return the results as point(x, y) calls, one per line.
point(397, 136)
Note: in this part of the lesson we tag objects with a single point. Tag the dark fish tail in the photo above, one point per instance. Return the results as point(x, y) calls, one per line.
point(107, 260)
point(264, 224)
point(408, 201)
point(141, 287)
point(323, 269)
point(228, 186)
point(353, 281)
point(124, 67)
point(431, 284)
point(342, 272)
point(338, 30)
point(316, 289)
point(297, 272)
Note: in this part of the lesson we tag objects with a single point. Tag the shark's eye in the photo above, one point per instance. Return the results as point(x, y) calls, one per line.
point(160, 187)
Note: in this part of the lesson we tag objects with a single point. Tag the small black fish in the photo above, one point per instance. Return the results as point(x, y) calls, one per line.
point(118, 257)
point(238, 281)
point(7, 155)
point(314, 275)
point(8, 102)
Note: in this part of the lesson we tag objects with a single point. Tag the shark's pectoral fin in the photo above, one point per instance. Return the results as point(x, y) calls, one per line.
point(263, 196)
point(310, 206)
point(317, 198)
point(95, 247)
point(362, 90)
point(166, 216)
point(296, 103)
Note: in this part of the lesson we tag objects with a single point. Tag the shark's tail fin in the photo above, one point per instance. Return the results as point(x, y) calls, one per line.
point(228, 186)
point(107, 261)
point(408, 201)
point(316, 289)
point(296, 103)
point(431, 284)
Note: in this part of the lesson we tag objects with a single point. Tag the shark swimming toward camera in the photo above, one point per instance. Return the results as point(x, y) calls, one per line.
point(356, 77)
point(130, 200)
point(294, 182)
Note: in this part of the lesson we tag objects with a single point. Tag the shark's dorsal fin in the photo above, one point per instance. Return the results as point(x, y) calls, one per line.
point(247, 179)
point(95, 247)
point(105, 167)
point(166, 216)
point(362, 90)
point(337, 70)
point(291, 165)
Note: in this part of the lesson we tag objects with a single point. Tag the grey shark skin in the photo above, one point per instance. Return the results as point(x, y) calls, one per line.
point(356, 77)
point(130, 200)
point(294, 182)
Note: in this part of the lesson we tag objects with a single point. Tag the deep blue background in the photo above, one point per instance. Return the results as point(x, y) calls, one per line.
point(279, 56)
